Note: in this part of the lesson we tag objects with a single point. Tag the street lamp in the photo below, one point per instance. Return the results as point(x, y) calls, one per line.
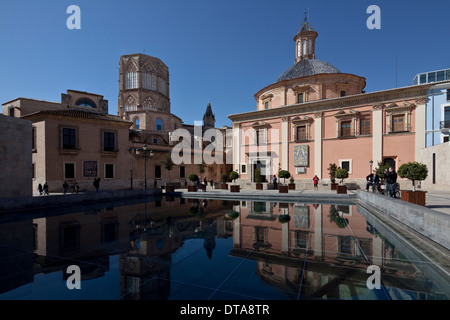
point(145, 154)
point(370, 164)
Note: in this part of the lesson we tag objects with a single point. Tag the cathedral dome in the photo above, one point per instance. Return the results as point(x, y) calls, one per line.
point(307, 67)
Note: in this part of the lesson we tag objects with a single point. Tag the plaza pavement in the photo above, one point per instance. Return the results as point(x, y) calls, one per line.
point(436, 199)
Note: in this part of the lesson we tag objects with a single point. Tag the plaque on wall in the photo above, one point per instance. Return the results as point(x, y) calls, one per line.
point(301, 156)
point(90, 169)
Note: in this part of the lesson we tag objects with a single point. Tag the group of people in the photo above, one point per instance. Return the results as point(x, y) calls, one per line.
point(43, 190)
point(315, 182)
point(390, 177)
point(203, 183)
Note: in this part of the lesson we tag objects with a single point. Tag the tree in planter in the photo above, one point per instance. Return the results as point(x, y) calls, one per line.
point(341, 174)
point(284, 174)
point(258, 176)
point(413, 171)
point(332, 172)
point(193, 177)
point(381, 168)
point(224, 178)
point(168, 163)
point(233, 176)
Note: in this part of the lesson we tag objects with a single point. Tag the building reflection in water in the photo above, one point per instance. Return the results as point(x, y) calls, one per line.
point(321, 252)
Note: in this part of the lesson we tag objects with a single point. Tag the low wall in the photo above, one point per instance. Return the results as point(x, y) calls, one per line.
point(13, 204)
point(432, 224)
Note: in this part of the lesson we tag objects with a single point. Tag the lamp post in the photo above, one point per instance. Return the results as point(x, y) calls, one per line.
point(145, 154)
point(370, 164)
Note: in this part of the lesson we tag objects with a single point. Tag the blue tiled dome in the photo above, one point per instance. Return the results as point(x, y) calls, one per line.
point(307, 67)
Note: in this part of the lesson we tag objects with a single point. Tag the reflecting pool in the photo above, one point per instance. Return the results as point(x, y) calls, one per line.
point(211, 249)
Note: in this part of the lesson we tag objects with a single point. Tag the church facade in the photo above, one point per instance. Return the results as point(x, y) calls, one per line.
point(314, 115)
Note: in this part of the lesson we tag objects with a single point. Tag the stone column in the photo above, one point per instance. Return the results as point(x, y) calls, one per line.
point(318, 144)
point(420, 127)
point(377, 134)
point(285, 143)
point(318, 231)
point(236, 145)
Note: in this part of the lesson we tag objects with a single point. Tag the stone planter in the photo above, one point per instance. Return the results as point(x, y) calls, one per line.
point(170, 189)
point(416, 197)
point(283, 189)
point(291, 186)
point(224, 186)
point(333, 186)
point(235, 188)
point(192, 188)
point(341, 189)
point(259, 186)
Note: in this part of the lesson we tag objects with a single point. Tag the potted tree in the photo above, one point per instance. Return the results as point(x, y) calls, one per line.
point(285, 175)
point(258, 179)
point(233, 176)
point(413, 171)
point(341, 174)
point(224, 185)
point(291, 183)
point(168, 165)
point(332, 173)
point(194, 178)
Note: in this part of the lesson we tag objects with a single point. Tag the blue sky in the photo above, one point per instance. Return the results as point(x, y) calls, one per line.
point(221, 52)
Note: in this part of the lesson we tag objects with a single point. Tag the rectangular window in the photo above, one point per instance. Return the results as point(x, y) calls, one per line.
point(158, 172)
point(109, 141)
point(155, 141)
point(343, 93)
point(448, 94)
point(346, 128)
point(398, 123)
point(301, 133)
point(70, 237)
point(109, 171)
point(261, 137)
point(11, 112)
point(432, 77)
point(109, 232)
point(346, 165)
point(182, 172)
point(266, 105)
point(243, 168)
point(69, 170)
point(441, 76)
point(423, 78)
point(300, 98)
point(33, 138)
point(364, 127)
point(69, 138)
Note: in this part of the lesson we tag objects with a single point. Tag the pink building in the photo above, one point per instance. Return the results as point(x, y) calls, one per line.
point(315, 115)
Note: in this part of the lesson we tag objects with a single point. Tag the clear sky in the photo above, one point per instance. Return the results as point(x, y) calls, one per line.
point(221, 52)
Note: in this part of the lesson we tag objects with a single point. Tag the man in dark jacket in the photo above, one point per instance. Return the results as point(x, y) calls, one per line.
point(373, 180)
point(391, 182)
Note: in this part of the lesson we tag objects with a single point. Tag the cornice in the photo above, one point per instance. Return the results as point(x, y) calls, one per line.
point(376, 99)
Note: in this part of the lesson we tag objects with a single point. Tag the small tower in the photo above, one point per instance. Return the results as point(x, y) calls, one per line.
point(305, 41)
point(209, 120)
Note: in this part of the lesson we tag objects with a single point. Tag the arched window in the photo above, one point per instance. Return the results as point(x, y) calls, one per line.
point(137, 124)
point(131, 78)
point(149, 104)
point(159, 125)
point(85, 102)
point(130, 104)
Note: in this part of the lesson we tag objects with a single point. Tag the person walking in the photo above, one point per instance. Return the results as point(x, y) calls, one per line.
point(40, 189)
point(316, 182)
point(65, 187)
point(275, 183)
point(391, 182)
point(369, 181)
point(45, 188)
point(375, 182)
point(96, 184)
